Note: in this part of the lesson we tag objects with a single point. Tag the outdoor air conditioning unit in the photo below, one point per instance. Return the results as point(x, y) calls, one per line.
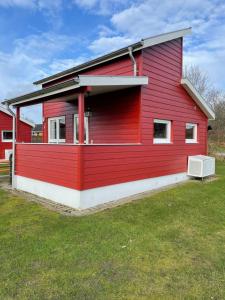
point(201, 166)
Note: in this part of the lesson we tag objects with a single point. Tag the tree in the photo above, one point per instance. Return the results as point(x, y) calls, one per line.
point(214, 97)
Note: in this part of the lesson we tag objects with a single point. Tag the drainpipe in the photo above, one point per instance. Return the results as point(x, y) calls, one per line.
point(14, 145)
point(130, 49)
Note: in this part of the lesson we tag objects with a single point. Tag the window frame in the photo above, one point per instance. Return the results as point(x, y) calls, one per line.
point(166, 140)
point(4, 140)
point(57, 140)
point(195, 139)
point(86, 128)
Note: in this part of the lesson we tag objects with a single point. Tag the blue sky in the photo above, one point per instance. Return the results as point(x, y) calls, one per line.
point(41, 37)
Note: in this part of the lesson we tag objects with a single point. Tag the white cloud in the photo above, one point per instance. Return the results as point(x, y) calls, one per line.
point(63, 64)
point(102, 7)
point(31, 59)
point(21, 3)
point(38, 4)
point(108, 44)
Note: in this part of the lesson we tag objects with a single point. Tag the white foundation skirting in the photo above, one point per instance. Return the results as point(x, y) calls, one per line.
point(92, 197)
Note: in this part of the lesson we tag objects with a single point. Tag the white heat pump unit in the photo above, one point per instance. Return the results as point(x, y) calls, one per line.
point(201, 166)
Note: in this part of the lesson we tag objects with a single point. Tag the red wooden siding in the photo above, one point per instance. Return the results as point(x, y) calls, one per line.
point(24, 132)
point(114, 119)
point(6, 124)
point(56, 164)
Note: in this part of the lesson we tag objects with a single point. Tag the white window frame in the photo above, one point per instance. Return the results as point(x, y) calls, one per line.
point(4, 140)
point(57, 140)
point(195, 139)
point(86, 127)
point(166, 140)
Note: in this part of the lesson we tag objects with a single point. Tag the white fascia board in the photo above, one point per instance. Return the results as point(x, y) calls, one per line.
point(162, 38)
point(4, 110)
point(102, 80)
point(188, 86)
point(27, 122)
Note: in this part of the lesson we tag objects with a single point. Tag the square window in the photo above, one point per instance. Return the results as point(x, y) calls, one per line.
point(162, 131)
point(7, 136)
point(191, 133)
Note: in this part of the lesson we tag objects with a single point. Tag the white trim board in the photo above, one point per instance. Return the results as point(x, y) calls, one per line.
point(191, 90)
point(93, 197)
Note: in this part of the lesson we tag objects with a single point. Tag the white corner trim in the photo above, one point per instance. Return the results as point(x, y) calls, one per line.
point(93, 197)
point(188, 86)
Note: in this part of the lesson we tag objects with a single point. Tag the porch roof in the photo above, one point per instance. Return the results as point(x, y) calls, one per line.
point(99, 84)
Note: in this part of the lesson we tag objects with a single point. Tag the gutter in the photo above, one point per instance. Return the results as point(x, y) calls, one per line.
point(14, 145)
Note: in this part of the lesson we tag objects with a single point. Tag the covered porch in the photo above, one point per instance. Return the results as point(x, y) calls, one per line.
point(88, 110)
point(90, 126)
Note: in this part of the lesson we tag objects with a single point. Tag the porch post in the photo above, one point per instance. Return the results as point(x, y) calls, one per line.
point(81, 118)
point(17, 124)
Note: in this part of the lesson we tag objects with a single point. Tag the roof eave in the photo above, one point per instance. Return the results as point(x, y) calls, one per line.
point(188, 86)
point(76, 83)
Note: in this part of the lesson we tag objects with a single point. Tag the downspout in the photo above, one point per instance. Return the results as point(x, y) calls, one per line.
point(130, 49)
point(14, 145)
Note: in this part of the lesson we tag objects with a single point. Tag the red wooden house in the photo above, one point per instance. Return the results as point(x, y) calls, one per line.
point(115, 126)
point(6, 134)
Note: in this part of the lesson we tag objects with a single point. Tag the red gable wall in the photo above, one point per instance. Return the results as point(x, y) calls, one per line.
point(6, 124)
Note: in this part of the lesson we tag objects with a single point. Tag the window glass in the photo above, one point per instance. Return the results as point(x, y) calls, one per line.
point(191, 133)
point(160, 130)
point(57, 130)
point(76, 130)
point(62, 129)
point(53, 129)
point(76, 120)
point(7, 135)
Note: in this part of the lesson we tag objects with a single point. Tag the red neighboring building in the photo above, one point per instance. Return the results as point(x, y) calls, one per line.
point(115, 126)
point(6, 134)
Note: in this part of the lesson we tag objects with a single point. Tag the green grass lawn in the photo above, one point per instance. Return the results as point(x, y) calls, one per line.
point(167, 246)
